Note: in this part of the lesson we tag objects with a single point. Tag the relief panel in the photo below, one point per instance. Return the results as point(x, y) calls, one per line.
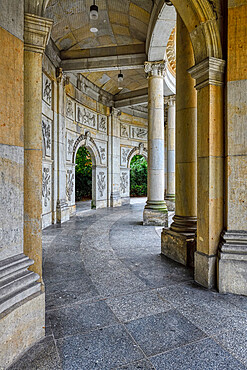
point(86, 117)
point(124, 156)
point(101, 183)
point(70, 184)
point(46, 136)
point(102, 147)
point(124, 183)
point(139, 133)
point(124, 130)
point(70, 139)
point(102, 123)
point(70, 109)
point(46, 188)
point(47, 90)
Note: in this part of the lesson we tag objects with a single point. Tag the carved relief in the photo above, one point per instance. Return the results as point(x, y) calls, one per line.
point(101, 183)
point(69, 184)
point(124, 130)
point(102, 126)
point(70, 144)
point(47, 90)
point(124, 182)
point(46, 190)
point(139, 133)
point(70, 113)
point(124, 155)
point(46, 136)
point(86, 117)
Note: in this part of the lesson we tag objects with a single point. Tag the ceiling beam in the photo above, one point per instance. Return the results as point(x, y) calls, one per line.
point(132, 98)
point(104, 63)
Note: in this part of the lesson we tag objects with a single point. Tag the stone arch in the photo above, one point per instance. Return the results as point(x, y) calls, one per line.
point(87, 141)
point(137, 150)
point(201, 17)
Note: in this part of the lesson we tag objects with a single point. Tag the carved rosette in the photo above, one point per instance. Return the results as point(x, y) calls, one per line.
point(157, 69)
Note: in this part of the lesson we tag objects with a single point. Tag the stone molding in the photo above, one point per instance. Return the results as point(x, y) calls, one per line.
point(208, 72)
point(184, 224)
point(37, 32)
point(233, 245)
point(87, 141)
point(155, 68)
point(141, 150)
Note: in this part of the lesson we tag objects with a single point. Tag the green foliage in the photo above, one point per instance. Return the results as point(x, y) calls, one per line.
point(83, 174)
point(138, 176)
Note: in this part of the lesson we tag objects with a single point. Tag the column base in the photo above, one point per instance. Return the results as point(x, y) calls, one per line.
point(63, 212)
point(232, 263)
point(22, 308)
point(170, 202)
point(155, 214)
point(95, 204)
point(125, 201)
point(115, 200)
point(179, 247)
point(205, 270)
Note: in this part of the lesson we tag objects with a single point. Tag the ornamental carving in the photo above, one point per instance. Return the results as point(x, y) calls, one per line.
point(124, 182)
point(101, 183)
point(102, 123)
point(46, 191)
point(87, 141)
point(102, 151)
point(124, 155)
point(86, 117)
point(47, 90)
point(124, 132)
point(69, 184)
point(139, 133)
point(46, 135)
point(141, 150)
point(70, 109)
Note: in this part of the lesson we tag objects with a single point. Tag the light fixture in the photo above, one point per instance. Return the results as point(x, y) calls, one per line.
point(93, 17)
point(94, 11)
point(120, 78)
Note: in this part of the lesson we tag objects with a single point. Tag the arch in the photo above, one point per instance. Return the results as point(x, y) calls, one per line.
point(87, 141)
point(201, 17)
point(137, 150)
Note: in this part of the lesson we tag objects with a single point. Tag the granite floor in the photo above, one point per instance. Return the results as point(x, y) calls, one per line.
point(113, 302)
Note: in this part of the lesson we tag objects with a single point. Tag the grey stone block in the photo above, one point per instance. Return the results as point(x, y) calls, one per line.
point(205, 270)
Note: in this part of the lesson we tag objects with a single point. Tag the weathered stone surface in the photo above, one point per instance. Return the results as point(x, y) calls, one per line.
point(177, 246)
point(205, 270)
point(152, 217)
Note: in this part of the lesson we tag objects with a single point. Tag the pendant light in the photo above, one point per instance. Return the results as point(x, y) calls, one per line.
point(94, 14)
point(120, 78)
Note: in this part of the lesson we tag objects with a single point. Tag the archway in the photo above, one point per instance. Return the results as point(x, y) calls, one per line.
point(138, 176)
point(83, 179)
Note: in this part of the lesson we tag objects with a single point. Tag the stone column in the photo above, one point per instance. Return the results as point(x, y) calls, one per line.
point(209, 76)
point(155, 212)
point(177, 242)
point(36, 34)
point(115, 199)
point(232, 257)
point(170, 196)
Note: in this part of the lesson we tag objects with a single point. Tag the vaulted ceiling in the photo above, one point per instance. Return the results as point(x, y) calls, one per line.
point(122, 31)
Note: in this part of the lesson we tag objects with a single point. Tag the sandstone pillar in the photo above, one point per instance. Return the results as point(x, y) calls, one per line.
point(155, 212)
point(177, 242)
point(36, 34)
point(209, 76)
point(232, 257)
point(170, 196)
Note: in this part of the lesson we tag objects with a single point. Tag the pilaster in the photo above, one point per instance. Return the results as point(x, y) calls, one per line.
point(155, 212)
point(209, 76)
point(115, 197)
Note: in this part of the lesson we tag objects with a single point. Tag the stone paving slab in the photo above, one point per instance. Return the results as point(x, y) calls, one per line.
point(113, 302)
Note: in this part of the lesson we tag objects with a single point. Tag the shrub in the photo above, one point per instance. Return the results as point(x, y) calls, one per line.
point(83, 174)
point(138, 176)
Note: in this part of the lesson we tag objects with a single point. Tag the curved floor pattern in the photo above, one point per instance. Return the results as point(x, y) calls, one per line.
point(112, 301)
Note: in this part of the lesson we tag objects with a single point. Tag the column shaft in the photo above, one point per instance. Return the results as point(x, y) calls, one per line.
point(155, 212)
point(170, 196)
point(178, 241)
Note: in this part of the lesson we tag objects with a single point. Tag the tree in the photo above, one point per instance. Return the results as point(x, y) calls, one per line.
point(83, 174)
point(138, 176)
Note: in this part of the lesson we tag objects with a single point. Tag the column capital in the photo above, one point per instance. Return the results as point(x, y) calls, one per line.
point(170, 100)
point(155, 68)
point(208, 72)
point(37, 32)
point(116, 112)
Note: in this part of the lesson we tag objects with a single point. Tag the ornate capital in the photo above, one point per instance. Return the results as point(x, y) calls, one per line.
point(155, 68)
point(37, 32)
point(208, 72)
point(170, 100)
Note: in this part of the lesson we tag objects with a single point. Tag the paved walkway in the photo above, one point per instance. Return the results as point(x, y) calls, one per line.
point(113, 302)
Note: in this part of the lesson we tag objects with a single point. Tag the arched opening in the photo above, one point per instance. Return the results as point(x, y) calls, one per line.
point(83, 179)
point(138, 176)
